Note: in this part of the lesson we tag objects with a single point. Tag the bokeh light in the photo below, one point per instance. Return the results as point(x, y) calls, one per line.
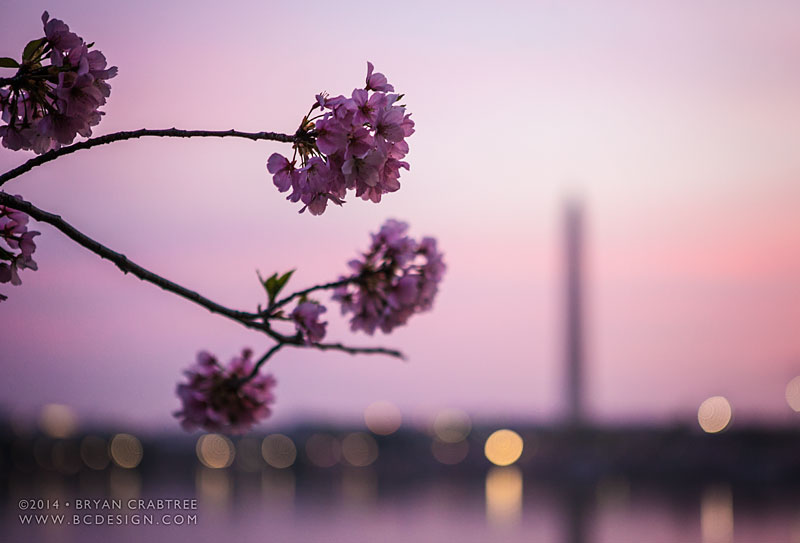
point(359, 449)
point(279, 451)
point(504, 495)
point(126, 451)
point(452, 425)
point(793, 394)
point(215, 451)
point(383, 418)
point(323, 450)
point(94, 452)
point(58, 420)
point(449, 453)
point(714, 414)
point(503, 447)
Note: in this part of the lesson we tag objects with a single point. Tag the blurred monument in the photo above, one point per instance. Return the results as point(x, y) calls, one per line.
point(573, 304)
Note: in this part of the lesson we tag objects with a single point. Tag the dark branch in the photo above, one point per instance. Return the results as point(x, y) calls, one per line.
point(261, 362)
point(358, 350)
point(250, 320)
point(133, 134)
point(124, 264)
point(301, 293)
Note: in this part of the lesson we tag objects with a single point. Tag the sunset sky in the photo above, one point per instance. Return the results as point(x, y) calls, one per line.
point(678, 124)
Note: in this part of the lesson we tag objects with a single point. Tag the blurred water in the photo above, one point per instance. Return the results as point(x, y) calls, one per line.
point(353, 505)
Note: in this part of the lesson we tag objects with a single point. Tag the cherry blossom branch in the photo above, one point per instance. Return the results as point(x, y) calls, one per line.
point(355, 143)
point(125, 264)
point(133, 134)
point(247, 319)
point(261, 361)
point(357, 350)
point(297, 340)
point(300, 293)
point(322, 347)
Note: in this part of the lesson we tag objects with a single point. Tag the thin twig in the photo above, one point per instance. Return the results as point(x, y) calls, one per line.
point(126, 265)
point(144, 132)
point(357, 350)
point(249, 320)
point(301, 293)
point(297, 340)
point(261, 362)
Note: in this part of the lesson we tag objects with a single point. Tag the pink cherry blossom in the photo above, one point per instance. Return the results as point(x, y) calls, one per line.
point(396, 278)
point(59, 35)
point(44, 113)
point(16, 251)
point(282, 171)
point(306, 318)
point(377, 81)
point(215, 398)
point(355, 143)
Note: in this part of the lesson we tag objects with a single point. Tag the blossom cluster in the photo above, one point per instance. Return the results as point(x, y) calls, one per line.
point(45, 107)
point(17, 253)
point(219, 398)
point(396, 278)
point(306, 319)
point(354, 143)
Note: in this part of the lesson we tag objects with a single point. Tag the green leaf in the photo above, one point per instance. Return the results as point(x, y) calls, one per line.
point(6, 62)
point(269, 285)
point(32, 49)
point(274, 284)
point(282, 280)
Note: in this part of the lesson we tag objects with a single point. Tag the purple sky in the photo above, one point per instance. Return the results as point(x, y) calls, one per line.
point(678, 124)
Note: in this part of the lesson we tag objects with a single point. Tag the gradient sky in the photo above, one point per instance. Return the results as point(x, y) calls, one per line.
point(678, 123)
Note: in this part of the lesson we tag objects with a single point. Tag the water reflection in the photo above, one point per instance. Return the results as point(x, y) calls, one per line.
point(613, 493)
point(124, 483)
point(504, 496)
point(359, 486)
point(575, 506)
point(510, 506)
point(716, 515)
point(278, 488)
point(338, 485)
point(214, 488)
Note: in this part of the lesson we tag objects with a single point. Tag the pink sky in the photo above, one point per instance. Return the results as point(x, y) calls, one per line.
point(678, 124)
